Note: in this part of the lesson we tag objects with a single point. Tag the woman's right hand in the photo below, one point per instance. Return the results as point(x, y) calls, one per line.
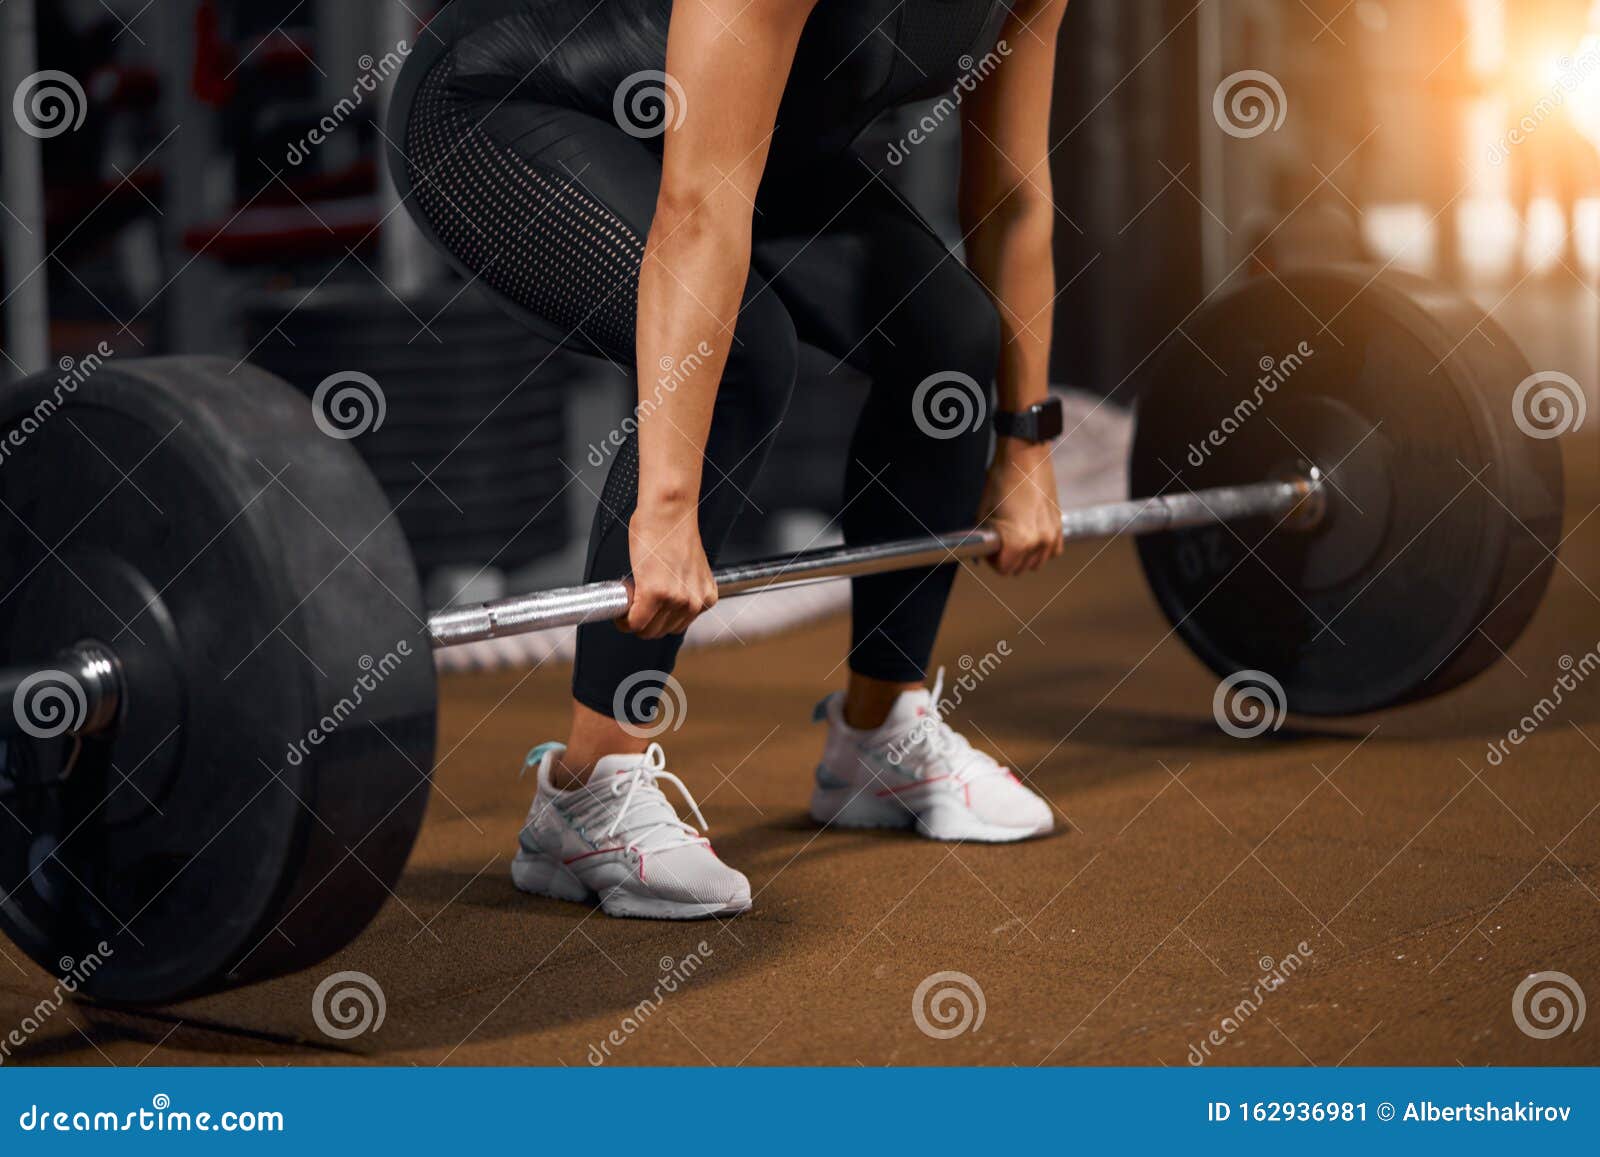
point(672, 581)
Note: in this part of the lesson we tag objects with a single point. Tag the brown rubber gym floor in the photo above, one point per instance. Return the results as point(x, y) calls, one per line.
point(1425, 883)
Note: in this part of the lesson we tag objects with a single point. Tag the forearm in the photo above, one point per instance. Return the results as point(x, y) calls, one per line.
point(698, 256)
point(1008, 246)
point(1009, 251)
point(1007, 200)
point(690, 287)
point(727, 63)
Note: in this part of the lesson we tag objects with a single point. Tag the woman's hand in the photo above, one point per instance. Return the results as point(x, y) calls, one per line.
point(672, 582)
point(1020, 503)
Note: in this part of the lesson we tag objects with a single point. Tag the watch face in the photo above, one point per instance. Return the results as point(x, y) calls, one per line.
point(1052, 421)
point(1044, 422)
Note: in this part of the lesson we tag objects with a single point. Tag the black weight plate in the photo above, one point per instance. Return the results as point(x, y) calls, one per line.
point(192, 517)
point(1442, 514)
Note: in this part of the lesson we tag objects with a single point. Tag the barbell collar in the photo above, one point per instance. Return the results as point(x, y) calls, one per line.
point(1298, 496)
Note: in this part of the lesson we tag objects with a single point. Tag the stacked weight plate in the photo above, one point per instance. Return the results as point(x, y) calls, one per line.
point(470, 445)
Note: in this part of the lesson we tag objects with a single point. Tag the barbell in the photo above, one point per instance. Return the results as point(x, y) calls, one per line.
point(219, 664)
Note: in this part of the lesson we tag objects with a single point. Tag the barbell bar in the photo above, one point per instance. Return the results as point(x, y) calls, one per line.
point(605, 601)
point(97, 680)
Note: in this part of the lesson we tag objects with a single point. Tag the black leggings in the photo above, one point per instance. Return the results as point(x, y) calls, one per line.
point(549, 208)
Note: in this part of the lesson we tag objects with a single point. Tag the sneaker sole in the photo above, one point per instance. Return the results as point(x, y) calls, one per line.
point(539, 875)
point(629, 906)
point(977, 832)
point(851, 808)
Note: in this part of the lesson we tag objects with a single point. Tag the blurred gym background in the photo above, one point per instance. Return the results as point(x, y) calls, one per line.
point(224, 193)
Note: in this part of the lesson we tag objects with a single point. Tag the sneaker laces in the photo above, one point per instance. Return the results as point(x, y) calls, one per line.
point(966, 763)
point(652, 813)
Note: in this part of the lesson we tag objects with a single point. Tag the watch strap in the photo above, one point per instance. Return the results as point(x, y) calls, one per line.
point(1044, 422)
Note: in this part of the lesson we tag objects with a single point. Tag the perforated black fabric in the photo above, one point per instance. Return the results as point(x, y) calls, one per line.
point(519, 171)
point(935, 44)
point(618, 496)
point(536, 236)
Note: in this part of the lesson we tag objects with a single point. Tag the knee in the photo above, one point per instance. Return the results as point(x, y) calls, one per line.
point(954, 371)
point(950, 327)
point(763, 361)
point(973, 348)
point(965, 456)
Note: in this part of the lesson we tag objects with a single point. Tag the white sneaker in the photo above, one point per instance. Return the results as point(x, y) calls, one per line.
point(618, 838)
point(918, 771)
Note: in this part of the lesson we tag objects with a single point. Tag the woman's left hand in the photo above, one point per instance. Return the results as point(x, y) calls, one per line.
point(1019, 501)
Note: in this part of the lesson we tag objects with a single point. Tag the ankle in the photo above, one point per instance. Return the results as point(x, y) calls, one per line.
point(593, 736)
point(868, 702)
point(864, 716)
point(568, 773)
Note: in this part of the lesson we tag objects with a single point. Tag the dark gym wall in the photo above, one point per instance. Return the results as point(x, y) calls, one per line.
point(1126, 123)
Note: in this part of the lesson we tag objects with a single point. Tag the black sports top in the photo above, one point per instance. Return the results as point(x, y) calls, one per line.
point(856, 59)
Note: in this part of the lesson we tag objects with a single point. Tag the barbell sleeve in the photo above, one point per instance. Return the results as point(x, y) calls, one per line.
point(605, 601)
point(77, 692)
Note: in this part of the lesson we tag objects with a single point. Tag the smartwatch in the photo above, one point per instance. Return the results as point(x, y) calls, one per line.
point(1036, 425)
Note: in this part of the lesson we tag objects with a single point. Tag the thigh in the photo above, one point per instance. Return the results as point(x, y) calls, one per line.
point(866, 279)
point(545, 207)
